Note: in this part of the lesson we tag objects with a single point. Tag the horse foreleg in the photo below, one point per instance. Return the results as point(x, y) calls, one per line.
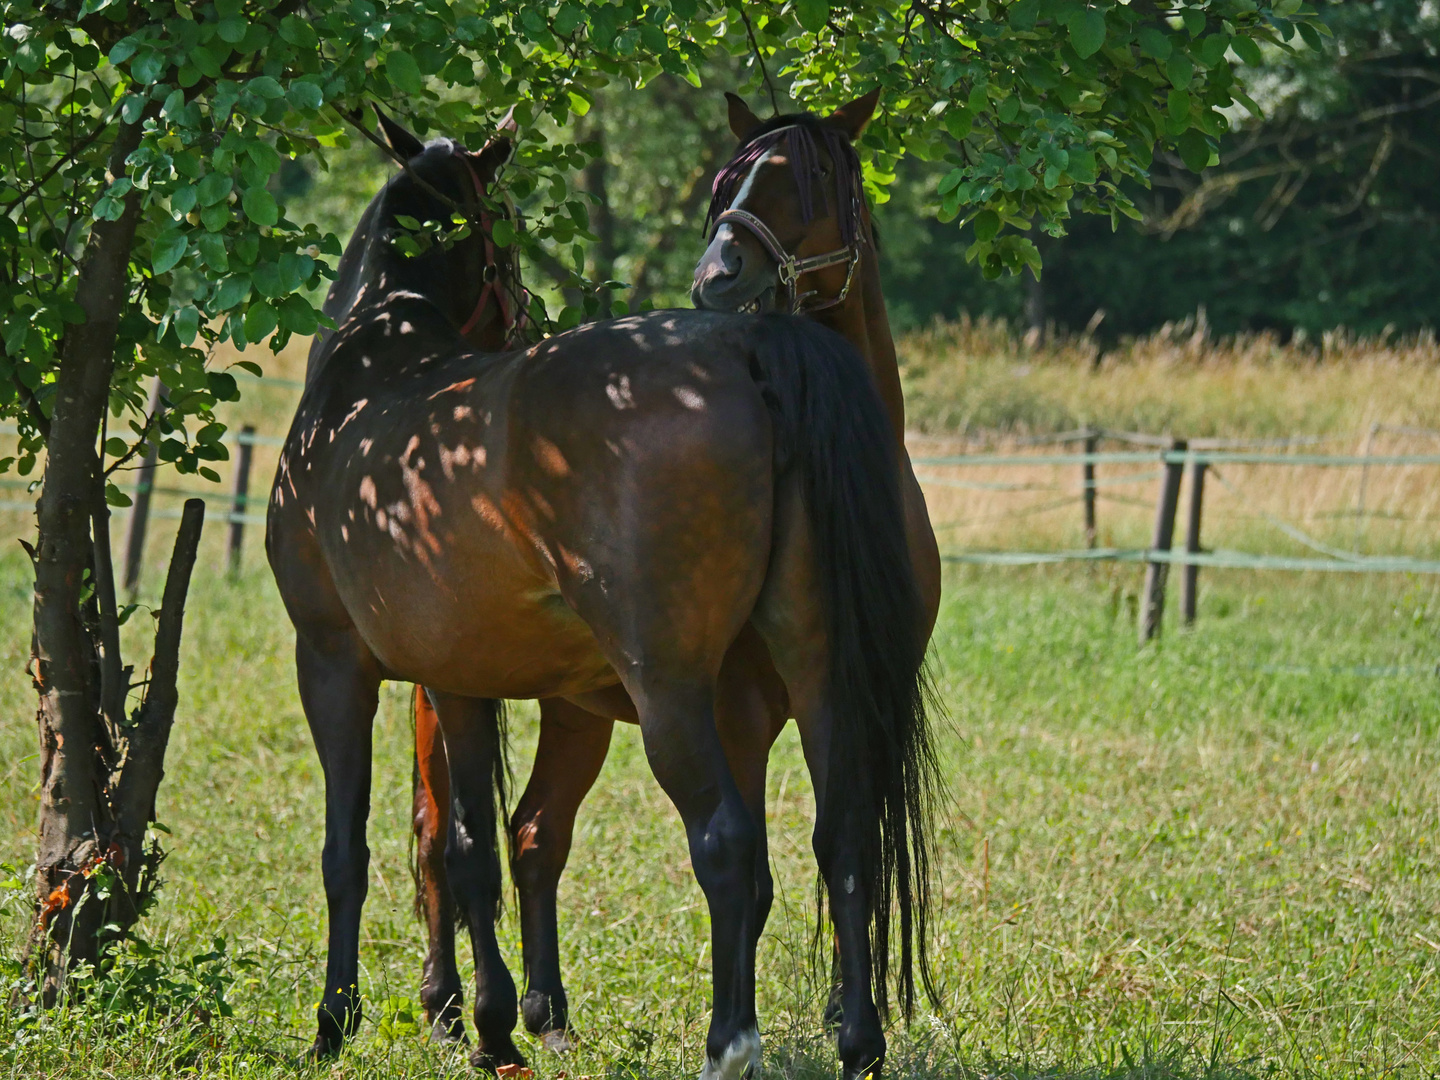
point(472, 863)
point(573, 745)
point(339, 688)
point(440, 991)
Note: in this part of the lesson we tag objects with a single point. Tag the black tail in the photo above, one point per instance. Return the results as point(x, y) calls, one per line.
point(832, 427)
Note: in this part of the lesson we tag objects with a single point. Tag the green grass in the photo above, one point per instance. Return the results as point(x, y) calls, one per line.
point(1210, 857)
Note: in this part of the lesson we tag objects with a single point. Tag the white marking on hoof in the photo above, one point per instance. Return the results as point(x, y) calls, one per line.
point(742, 1055)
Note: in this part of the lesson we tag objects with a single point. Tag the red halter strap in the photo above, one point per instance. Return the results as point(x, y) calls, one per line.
point(510, 320)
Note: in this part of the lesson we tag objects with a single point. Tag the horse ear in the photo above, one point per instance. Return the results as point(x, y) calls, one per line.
point(853, 117)
point(742, 120)
point(400, 140)
point(492, 155)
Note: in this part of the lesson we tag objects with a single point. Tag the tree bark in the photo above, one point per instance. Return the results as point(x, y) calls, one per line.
point(147, 739)
point(77, 754)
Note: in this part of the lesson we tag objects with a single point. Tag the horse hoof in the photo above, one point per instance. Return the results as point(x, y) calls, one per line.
point(557, 1041)
point(448, 1033)
point(321, 1051)
point(507, 1062)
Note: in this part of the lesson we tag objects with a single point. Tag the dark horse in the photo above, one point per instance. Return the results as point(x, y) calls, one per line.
point(611, 518)
point(825, 266)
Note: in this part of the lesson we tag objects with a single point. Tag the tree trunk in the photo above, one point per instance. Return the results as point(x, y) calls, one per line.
point(86, 827)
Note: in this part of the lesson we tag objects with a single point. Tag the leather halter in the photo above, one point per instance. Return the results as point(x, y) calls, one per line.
point(511, 320)
point(789, 268)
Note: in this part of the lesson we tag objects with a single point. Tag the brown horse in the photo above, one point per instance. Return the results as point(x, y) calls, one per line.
point(624, 517)
point(833, 277)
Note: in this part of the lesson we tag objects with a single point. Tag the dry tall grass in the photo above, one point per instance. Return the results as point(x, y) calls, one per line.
point(977, 385)
point(980, 379)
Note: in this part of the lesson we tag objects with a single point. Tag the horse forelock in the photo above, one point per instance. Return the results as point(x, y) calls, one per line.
point(800, 132)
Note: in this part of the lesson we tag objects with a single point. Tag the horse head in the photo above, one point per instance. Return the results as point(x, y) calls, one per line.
point(460, 268)
point(787, 212)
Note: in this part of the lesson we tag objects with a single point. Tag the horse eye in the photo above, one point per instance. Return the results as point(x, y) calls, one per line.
point(489, 273)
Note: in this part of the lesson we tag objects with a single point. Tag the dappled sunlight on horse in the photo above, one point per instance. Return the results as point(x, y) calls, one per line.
point(691, 519)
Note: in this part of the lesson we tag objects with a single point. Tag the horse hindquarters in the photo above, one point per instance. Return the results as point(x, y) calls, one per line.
point(847, 626)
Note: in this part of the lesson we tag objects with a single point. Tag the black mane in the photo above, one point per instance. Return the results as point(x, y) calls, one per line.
point(802, 132)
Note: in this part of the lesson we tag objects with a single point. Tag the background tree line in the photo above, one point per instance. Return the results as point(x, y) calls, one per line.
point(1324, 213)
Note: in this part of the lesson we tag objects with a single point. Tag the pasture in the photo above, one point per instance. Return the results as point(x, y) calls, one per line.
point(1213, 856)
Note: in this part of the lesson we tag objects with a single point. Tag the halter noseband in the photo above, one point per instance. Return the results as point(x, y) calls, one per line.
point(789, 268)
point(511, 320)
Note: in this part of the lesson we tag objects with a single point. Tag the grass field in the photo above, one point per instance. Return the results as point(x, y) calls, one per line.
point(1211, 857)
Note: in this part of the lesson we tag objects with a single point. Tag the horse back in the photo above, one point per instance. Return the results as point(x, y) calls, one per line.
point(444, 494)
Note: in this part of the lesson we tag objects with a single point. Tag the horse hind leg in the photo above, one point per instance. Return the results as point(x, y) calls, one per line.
point(440, 991)
point(473, 744)
point(725, 840)
point(573, 745)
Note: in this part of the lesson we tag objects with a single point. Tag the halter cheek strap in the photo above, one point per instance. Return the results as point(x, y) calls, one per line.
point(510, 320)
point(788, 267)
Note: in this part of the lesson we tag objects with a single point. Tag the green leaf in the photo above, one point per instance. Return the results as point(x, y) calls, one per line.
point(213, 188)
point(148, 66)
point(403, 72)
point(502, 232)
point(568, 19)
point(266, 87)
point(1087, 32)
point(812, 14)
point(264, 155)
point(1178, 104)
point(298, 32)
point(1153, 43)
point(182, 199)
point(187, 323)
point(260, 321)
point(167, 250)
point(1194, 19)
point(1212, 49)
point(987, 225)
point(232, 29)
point(233, 291)
point(1180, 70)
point(260, 206)
point(297, 316)
point(1194, 149)
point(305, 95)
point(212, 250)
point(1022, 15)
point(1247, 50)
point(951, 181)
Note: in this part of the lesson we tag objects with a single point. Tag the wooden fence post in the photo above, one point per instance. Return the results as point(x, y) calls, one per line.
point(1189, 582)
point(1087, 471)
point(1152, 601)
point(238, 504)
point(140, 508)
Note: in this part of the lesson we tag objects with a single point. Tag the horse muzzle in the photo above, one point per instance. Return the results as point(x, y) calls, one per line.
point(732, 277)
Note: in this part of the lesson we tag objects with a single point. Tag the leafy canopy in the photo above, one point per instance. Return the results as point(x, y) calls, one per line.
point(1038, 105)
